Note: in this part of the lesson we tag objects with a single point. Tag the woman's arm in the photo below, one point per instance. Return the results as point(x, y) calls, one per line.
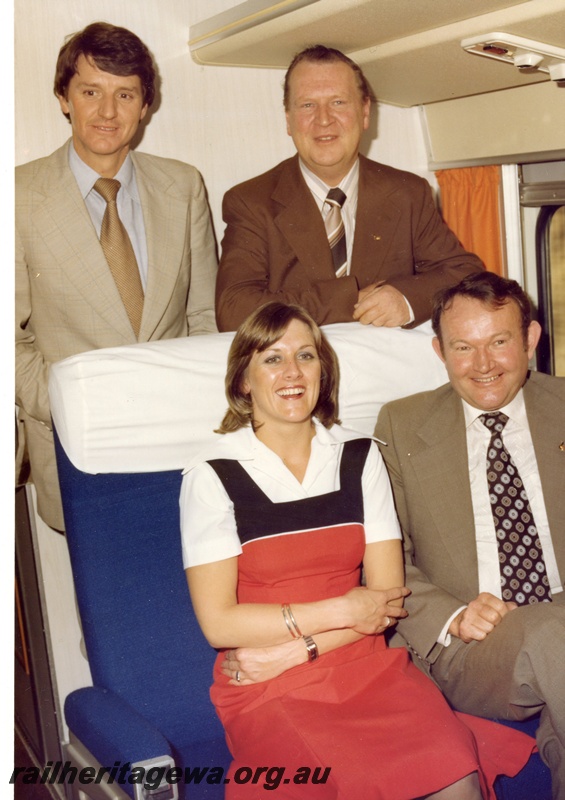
point(383, 569)
point(384, 566)
point(227, 623)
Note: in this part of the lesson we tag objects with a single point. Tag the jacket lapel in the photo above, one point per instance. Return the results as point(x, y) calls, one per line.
point(301, 224)
point(376, 220)
point(546, 417)
point(65, 226)
point(441, 469)
point(165, 219)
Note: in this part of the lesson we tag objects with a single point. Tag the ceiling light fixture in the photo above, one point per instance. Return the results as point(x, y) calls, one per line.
point(526, 55)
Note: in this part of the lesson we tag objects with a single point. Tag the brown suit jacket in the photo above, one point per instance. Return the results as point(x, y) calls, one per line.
point(67, 301)
point(426, 455)
point(275, 246)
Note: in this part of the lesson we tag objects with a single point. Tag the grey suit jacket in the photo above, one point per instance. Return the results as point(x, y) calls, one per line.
point(275, 245)
point(426, 455)
point(66, 299)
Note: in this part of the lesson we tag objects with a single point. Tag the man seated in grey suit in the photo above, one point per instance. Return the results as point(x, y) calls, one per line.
point(478, 472)
point(91, 272)
point(374, 249)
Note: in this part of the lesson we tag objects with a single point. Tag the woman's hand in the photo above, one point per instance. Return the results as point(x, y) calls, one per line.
point(375, 610)
point(258, 664)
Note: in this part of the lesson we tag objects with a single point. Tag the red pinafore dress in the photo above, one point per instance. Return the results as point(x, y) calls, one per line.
point(361, 722)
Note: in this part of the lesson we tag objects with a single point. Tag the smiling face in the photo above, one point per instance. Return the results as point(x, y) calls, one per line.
point(326, 117)
point(284, 380)
point(105, 112)
point(484, 351)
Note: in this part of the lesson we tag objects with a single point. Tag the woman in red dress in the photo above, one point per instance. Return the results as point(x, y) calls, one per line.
point(279, 517)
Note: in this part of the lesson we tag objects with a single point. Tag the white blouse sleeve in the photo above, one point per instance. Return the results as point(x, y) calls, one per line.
point(207, 521)
point(381, 522)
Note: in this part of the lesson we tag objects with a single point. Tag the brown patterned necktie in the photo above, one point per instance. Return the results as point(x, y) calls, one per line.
point(523, 576)
point(119, 253)
point(336, 231)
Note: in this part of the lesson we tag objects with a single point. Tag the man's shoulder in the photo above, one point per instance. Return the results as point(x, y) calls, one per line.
point(31, 171)
point(397, 178)
point(416, 407)
point(170, 167)
point(541, 384)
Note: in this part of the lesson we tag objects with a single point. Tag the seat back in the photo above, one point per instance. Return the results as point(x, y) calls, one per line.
point(140, 631)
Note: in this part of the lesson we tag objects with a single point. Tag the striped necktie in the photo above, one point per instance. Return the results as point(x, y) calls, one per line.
point(119, 253)
point(336, 231)
point(523, 576)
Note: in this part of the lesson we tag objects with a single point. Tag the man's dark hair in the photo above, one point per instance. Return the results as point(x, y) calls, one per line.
point(488, 288)
point(319, 54)
point(112, 49)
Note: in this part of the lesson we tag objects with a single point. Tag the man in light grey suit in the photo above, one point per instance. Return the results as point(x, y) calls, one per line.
point(67, 300)
point(491, 655)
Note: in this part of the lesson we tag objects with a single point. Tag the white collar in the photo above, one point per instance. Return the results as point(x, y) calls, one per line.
point(514, 410)
point(320, 189)
point(243, 444)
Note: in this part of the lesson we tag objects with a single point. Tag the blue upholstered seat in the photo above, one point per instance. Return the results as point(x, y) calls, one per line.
point(151, 666)
point(534, 781)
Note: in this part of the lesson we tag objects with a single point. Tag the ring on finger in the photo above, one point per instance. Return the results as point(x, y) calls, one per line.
point(237, 676)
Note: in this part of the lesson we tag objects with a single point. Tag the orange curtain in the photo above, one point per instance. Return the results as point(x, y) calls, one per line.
point(470, 206)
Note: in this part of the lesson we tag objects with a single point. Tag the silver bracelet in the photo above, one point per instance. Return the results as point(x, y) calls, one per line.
point(312, 648)
point(290, 621)
point(296, 628)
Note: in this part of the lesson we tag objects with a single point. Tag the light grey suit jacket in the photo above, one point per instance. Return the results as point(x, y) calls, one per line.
point(66, 299)
point(426, 455)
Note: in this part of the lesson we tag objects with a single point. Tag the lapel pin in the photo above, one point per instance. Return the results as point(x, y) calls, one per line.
point(376, 238)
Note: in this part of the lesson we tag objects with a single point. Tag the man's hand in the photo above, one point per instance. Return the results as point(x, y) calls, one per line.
point(481, 616)
point(381, 305)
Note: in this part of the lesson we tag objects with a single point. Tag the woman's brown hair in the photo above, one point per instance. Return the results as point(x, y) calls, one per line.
point(261, 330)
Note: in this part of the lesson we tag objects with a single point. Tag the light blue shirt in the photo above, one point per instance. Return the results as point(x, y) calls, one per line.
point(128, 202)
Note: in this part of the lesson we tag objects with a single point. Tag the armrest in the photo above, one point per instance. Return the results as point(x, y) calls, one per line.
point(111, 729)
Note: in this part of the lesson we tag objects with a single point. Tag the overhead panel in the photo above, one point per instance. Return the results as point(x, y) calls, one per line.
point(410, 51)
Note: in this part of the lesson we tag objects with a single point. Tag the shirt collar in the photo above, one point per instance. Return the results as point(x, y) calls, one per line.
point(243, 445)
point(86, 177)
point(349, 184)
point(514, 410)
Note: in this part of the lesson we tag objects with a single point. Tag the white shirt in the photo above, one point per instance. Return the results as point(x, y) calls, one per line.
point(208, 525)
point(128, 203)
point(518, 441)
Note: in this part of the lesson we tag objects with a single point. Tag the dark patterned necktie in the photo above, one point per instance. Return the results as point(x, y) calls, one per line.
point(336, 231)
point(523, 576)
point(119, 253)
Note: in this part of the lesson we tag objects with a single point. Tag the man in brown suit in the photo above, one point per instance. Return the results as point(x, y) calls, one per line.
point(67, 300)
point(491, 655)
point(399, 252)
